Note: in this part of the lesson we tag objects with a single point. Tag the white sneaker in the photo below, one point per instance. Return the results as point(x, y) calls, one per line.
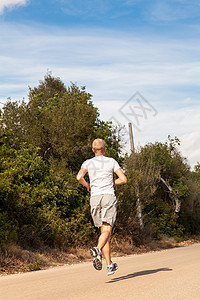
point(97, 258)
point(112, 268)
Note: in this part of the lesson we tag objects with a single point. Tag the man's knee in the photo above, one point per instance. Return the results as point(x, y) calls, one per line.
point(106, 227)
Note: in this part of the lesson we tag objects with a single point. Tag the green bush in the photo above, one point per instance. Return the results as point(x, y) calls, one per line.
point(43, 144)
point(7, 232)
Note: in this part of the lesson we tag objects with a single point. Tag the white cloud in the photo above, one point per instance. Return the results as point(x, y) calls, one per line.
point(10, 4)
point(182, 123)
point(191, 147)
point(113, 66)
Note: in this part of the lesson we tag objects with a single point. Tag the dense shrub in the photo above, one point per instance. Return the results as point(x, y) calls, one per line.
point(43, 144)
point(6, 228)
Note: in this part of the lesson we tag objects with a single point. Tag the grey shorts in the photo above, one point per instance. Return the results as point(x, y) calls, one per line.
point(103, 209)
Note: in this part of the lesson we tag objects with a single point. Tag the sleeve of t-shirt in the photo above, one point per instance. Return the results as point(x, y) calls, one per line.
point(84, 165)
point(116, 165)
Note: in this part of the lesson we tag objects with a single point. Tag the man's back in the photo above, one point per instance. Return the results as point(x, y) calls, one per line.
point(100, 170)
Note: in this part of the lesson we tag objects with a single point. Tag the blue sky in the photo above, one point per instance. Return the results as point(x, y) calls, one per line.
point(115, 49)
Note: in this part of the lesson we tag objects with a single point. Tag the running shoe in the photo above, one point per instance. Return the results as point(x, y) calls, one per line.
point(97, 258)
point(112, 268)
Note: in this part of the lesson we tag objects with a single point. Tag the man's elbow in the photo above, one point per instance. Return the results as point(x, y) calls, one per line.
point(78, 177)
point(125, 180)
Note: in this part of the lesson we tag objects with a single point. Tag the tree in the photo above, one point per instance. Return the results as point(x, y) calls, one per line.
point(62, 122)
point(190, 214)
point(157, 174)
point(44, 144)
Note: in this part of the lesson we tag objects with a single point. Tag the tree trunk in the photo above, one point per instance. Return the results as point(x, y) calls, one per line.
point(139, 208)
point(172, 195)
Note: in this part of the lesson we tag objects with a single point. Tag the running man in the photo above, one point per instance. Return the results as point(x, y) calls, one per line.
point(103, 202)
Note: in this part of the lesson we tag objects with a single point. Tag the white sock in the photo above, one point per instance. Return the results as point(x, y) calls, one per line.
point(110, 265)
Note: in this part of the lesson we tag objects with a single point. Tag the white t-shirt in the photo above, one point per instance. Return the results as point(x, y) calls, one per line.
point(100, 170)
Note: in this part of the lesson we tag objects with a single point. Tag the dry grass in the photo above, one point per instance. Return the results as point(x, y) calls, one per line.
point(14, 259)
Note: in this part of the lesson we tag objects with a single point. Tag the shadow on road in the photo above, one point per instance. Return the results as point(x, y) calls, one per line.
point(141, 273)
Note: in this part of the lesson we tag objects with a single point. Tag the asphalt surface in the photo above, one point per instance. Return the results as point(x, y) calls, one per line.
point(170, 274)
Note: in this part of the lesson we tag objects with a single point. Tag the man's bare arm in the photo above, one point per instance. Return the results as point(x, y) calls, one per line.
point(122, 178)
point(81, 179)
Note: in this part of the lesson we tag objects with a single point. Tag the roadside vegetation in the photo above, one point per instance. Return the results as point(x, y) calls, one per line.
point(44, 211)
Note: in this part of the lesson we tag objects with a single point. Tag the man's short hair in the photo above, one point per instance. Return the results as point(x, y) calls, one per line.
point(98, 145)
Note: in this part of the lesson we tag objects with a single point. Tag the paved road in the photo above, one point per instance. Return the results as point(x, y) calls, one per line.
point(170, 274)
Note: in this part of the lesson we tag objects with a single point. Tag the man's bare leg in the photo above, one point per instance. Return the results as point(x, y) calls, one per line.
point(103, 242)
point(106, 252)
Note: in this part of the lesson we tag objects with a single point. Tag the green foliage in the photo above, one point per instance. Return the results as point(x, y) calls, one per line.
point(31, 198)
point(144, 170)
point(6, 228)
point(165, 221)
point(61, 122)
point(81, 226)
point(49, 88)
point(44, 209)
point(42, 146)
point(196, 174)
point(190, 222)
point(35, 266)
point(197, 168)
